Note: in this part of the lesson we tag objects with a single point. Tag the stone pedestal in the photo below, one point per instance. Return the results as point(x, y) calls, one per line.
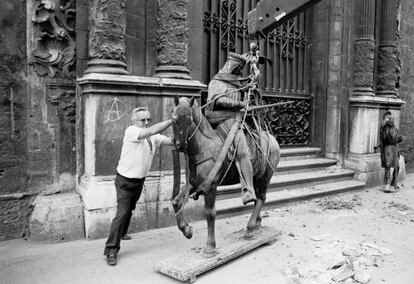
point(57, 218)
point(108, 101)
point(365, 119)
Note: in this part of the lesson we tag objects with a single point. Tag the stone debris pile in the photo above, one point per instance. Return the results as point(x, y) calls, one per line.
point(338, 261)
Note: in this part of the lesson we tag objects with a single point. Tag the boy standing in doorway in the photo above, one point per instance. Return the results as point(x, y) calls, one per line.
point(389, 139)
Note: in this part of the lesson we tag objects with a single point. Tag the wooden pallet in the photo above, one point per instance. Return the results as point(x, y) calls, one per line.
point(188, 265)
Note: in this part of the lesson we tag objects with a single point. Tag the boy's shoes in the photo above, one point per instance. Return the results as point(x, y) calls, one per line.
point(387, 188)
point(126, 237)
point(395, 188)
point(111, 257)
point(390, 189)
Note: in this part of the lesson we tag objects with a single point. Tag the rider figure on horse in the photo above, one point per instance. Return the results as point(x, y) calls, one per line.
point(224, 100)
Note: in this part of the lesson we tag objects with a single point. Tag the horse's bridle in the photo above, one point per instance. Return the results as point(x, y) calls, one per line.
point(189, 137)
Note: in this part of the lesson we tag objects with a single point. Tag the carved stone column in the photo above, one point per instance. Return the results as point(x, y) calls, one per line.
point(389, 63)
point(366, 109)
point(172, 39)
point(363, 81)
point(107, 25)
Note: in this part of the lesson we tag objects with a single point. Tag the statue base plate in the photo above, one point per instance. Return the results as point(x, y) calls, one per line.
point(188, 265)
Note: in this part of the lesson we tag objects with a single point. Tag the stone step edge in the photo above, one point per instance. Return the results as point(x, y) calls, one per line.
point(298, 151)
point(305, 163)
point(297, 178)
point(232, 205)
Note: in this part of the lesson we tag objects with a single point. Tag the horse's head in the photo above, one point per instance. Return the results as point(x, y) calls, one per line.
point(182, 120)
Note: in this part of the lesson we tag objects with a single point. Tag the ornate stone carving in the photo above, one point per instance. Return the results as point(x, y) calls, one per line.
point(389, 64)
point(290, 123)
point(62, 95)
point(107, 30)
point(364, 48)
point(66, 104)
point(388, 68)
point(172, 38)
point(54, 31)
point(364, 64)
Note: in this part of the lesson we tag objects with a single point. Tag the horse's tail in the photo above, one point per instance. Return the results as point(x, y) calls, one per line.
point(273, 151)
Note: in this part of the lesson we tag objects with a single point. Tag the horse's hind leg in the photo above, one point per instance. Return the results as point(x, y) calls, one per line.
point(210, 212)
point(178, 204)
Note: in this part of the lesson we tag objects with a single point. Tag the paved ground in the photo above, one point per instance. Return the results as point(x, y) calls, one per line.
point(365, 234)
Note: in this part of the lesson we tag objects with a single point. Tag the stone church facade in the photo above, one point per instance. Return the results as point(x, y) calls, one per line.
point(72, 71)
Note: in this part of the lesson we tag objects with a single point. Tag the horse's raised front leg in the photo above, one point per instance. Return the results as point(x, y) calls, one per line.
point(255, 219)
point(210, 212)
point(178, 203)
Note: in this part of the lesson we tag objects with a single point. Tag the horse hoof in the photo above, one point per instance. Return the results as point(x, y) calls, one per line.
point(250, 233)
point(188, 232)
point(209, 253)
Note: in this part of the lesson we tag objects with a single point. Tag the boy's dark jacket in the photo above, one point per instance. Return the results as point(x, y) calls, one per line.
point(388, 141)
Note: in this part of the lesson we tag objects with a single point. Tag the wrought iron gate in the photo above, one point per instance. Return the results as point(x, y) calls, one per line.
point(225, 30)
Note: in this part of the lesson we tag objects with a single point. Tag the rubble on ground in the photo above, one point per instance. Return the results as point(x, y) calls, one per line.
point(330, 203)
point(398, 211)
point(339, 262)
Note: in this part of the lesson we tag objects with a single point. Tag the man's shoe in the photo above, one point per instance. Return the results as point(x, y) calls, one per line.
point(126, 237)
point(111, 258)
point(248, 196)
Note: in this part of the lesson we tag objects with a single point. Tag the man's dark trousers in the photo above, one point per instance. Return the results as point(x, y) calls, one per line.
point(128, 192)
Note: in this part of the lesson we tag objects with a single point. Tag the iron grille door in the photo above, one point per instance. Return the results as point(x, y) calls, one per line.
point(225, 30)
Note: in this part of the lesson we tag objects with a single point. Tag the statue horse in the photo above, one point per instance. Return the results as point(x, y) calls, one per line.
point(194, 135)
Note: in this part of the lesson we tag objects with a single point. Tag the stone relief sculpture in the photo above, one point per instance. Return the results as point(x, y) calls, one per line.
point(54, 54)
point(172, 26)
point(64, 100)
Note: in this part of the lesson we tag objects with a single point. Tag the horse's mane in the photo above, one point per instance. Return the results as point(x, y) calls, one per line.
point(205, 127)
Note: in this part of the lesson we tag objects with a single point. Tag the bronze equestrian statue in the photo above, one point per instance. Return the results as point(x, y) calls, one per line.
point(194, 135)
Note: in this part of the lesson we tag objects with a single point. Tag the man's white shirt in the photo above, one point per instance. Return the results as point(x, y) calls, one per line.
point(136, 154)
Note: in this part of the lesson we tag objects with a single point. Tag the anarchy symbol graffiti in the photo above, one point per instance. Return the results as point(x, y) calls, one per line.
point(114, 110)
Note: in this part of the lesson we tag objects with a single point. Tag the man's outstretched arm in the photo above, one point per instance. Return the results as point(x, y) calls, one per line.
point(154, 129)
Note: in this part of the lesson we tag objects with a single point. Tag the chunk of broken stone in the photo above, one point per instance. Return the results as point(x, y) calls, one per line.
point(343, 273)
point(362, 276)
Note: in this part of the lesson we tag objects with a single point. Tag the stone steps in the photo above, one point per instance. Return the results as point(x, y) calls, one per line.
point(301, 174)
point(290, 181)
point(234, 206)
point(299, 153)
point(303, 165)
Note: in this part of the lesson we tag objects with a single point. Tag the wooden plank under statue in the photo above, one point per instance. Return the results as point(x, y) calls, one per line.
point(188, 265)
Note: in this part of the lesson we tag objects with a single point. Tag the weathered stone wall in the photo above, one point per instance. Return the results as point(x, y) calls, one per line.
point(407, 81)
point(15, 206)
point(37, 110)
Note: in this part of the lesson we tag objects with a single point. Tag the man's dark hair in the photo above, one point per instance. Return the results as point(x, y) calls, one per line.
point(386, 113)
